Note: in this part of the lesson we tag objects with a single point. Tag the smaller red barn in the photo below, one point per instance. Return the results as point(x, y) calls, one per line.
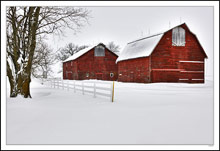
point(94, 62)
point(174, 55)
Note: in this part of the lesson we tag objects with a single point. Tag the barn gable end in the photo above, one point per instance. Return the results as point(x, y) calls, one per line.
point(86, 65)
point(170, 59)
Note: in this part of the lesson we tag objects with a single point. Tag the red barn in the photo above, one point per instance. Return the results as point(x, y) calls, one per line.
point(171, 56)
point(95, 62)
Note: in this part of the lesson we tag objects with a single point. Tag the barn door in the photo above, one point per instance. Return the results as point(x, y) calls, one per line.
point(192, 71)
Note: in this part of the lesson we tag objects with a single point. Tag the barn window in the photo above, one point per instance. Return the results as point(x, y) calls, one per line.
point(178, 37)
point(111, 75)
point(99, 51)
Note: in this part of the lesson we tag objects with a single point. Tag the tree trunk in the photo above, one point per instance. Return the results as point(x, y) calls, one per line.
point(18, 85)
point(13, 91)
point(20, 75)
point(26, 88)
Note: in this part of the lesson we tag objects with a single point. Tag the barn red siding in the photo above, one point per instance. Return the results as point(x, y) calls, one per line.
point(166, 63)
point(68, 69)
point(134, 70)
point(97, 67)
point(166, 56)
point(64, 70)
point(165, 75)
point(89, 66)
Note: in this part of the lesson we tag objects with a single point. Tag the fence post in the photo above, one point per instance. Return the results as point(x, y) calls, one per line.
point(74, 86)
point(54, 83)
point(112, 92)
point(94, 90)
point(68, 85)
point(82, 87)
point(58, 84)
point(63, 84)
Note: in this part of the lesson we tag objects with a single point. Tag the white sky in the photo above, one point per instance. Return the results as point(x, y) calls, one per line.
point(125, 24)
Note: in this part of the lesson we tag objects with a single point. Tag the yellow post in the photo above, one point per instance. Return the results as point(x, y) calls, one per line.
point(113, 92)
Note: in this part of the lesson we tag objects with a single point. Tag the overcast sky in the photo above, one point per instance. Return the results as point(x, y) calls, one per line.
point(125, 24)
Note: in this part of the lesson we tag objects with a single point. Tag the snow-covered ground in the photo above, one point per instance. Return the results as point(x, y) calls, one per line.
point(159, 113)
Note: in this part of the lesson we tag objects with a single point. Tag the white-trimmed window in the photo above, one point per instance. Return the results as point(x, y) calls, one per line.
point(111, 75)
point(99, 51)
point(178, 37)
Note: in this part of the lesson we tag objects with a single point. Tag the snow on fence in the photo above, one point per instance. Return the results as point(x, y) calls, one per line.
point(96, 88)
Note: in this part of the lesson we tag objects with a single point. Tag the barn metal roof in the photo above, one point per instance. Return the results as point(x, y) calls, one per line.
point(143, 47)
point(83, 51)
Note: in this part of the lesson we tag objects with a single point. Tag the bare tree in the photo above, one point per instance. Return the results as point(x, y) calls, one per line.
point(68, 50)
point(113, 47)
point(42, 61)
point(23, 26)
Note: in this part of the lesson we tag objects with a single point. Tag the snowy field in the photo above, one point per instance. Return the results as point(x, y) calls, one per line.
point(159, 113)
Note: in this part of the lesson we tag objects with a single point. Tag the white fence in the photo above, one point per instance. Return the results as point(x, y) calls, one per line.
point(96, 88)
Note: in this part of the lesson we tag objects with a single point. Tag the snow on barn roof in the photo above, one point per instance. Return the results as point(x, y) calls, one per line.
point(83, 51)
point(142, 47)
point(78, 54)
point(139, 48)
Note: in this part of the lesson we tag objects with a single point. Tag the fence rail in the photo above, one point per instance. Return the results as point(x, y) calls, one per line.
point(94, 87)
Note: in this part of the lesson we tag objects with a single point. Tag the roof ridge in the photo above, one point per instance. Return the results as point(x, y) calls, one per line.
point(85, 50)
point(145, 37)
point(156, 34)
